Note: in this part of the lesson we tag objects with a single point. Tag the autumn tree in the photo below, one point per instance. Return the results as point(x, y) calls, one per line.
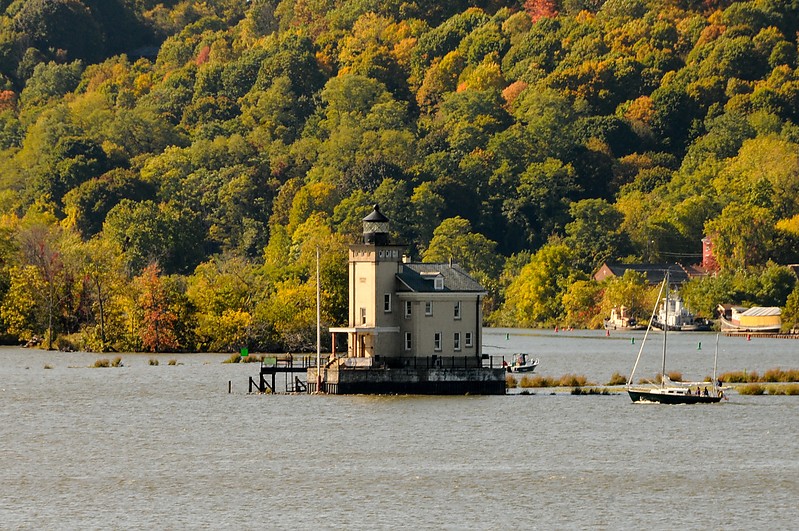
point(158, 326)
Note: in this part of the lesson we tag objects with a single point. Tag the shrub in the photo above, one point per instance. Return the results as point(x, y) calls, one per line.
point(48, 366)
point(117, 362)
point(617, 379)
point(510, 382)
point(751, 389)
point(67, 343)
point(153, 361)
point(101, 363)
point(173, 362)
point(675, 376)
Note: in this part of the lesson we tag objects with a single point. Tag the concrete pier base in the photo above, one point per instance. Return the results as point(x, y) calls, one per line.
point(412, 381)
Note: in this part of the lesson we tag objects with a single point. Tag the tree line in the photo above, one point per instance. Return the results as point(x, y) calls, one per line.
point(167, 169)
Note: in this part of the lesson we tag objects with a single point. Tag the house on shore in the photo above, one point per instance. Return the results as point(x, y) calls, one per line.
point(413, 328)
point(654, 273)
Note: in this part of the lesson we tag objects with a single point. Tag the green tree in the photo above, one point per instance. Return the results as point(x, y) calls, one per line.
point(535, 297)
point(740, 236)
point(454, 240)
point(595, 232)
point(582, 302)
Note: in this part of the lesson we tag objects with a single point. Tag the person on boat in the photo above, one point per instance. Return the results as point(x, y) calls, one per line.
point(705, 392)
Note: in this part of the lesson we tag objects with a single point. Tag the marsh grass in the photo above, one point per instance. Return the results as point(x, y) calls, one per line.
point(510, 382)
point(775, 375)
point(101, 363)
point(751, 389)
point(48, 366)
point(574, 380)
point(675, 376)
point(172, 362)
point(617, 379)
point(791, 389)
point(591, 391)
point(153, 362)
point(117, 362)
point(237, 358)
point(739, 377)
point(780, 375)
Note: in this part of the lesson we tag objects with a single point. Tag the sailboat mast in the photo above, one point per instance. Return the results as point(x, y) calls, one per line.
point(665, 330)
point(715, 361)
point(318, 328)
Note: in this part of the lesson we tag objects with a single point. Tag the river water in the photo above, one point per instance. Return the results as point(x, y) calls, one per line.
point(167, 447)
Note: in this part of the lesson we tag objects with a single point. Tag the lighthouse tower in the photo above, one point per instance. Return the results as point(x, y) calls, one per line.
point(373, 327)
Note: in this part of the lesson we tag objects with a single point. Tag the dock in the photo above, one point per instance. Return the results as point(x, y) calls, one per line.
point(288, 365)
point(769, 335)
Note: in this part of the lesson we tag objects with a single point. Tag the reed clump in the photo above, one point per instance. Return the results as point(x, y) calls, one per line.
point(591, 391)
point(751, 389)
point(617, 379)
point(510, 382)
point(675, 376)
point(172, 362)
point(251, 359)
point(740, 377)
point(775, 375)
point(48, 366)
point(153, 362)
point(541, 381)
point(101, 363)
point(117, 362)
point(780, 375)
point(234, 358)
point(791, 389)
point(573, 380)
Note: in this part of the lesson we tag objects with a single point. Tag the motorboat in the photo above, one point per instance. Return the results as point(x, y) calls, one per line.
point(523, 363)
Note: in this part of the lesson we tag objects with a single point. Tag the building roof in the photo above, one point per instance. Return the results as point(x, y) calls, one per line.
point(654, 272)
point(762, 311)
point(376, 215)
point(419, 277)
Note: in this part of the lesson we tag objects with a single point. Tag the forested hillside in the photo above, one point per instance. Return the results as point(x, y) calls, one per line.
point(168, 169)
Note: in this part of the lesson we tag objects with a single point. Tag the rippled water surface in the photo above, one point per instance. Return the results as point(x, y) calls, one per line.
point(168, 447)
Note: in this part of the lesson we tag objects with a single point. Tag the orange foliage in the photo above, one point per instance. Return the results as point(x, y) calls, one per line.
point(538, 9)
point(8, 100)
point(202, 57)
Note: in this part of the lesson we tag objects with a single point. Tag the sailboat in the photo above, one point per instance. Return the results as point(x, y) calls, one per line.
point(668, 391)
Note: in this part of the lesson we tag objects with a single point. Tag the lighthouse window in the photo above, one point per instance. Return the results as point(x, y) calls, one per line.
point(363, 315)
point(387, 302)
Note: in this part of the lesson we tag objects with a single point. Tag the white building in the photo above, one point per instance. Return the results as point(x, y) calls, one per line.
point(403, 310)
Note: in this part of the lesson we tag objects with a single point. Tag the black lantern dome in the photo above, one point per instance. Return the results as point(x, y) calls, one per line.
point(375, 228)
